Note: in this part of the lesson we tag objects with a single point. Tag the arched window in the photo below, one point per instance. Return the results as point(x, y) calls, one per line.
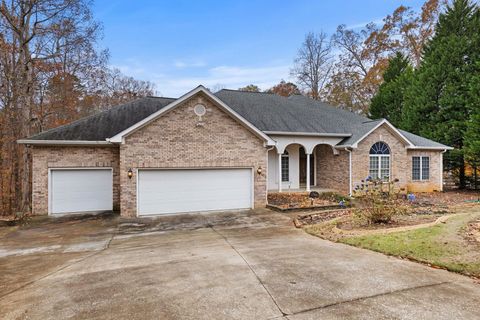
point(380, 148)
point(285, 167)
point(379, 161)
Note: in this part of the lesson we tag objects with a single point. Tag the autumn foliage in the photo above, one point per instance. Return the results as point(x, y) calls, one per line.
point(51, 73)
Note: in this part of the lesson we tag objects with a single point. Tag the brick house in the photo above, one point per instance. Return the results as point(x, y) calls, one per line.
point(221, 151)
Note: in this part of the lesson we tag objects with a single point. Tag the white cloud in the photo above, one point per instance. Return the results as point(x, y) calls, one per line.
point(232, 77)
point(186, 64)
point(183, 75)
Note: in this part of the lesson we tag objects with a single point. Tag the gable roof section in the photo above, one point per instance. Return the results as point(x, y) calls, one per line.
point(369, 127)
point(411, 140)
point(118, 137)
point(98, 127)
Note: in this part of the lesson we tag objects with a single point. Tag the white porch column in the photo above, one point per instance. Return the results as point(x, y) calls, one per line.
point(308, 171)
point(279, 172)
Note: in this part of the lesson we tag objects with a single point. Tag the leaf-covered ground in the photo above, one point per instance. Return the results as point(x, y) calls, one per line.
point(446, 245)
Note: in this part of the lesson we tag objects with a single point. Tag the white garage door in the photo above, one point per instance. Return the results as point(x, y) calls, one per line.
point(82, 190)
point(172, 191)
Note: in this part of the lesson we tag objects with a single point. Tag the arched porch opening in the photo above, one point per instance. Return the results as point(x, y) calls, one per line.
point(283, 167)
point(298, 167)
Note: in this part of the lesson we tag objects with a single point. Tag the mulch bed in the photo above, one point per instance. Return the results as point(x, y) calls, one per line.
point(426, 208)
point(300, 200)
point(319, 217)
point(397, 221)
point(448, 198)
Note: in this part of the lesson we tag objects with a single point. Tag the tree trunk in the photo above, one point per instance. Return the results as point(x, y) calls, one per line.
point(475, 177)
point(461, 176)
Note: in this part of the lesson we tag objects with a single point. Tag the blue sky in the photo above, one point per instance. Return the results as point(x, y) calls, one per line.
point(181, 44)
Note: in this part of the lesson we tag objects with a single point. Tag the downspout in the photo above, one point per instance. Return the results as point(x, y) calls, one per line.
point(349, 171)
point(268, 170)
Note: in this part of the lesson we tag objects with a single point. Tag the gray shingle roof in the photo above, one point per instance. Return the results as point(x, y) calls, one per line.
point(268, 112)
point(421, 141)
point(297, 113)
point(106, 124)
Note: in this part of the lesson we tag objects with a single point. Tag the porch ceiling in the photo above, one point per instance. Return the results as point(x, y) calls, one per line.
point(307, 142)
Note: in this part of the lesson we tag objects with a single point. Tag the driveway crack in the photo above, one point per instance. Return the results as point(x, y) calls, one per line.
point(249, 266)
point(107, 245)
point(369, 297)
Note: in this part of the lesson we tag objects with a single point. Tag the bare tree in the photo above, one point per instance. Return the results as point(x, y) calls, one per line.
point(363, 54)
point(313, 64)
point(50, 74)
point(118, 88)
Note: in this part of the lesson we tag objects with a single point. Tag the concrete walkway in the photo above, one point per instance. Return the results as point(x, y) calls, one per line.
point(245, 265)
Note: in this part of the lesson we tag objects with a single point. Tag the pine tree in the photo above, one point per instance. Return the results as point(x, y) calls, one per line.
point(437, 104)
point(388, 101)
point(472, 134)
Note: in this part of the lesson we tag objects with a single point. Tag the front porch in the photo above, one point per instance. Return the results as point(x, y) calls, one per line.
point(304, 165)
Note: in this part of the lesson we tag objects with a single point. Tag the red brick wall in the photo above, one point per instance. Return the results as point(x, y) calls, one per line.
point(70, 157)
point(332, 170)
point(176, 141)
point(400, 162)
point(434, 182)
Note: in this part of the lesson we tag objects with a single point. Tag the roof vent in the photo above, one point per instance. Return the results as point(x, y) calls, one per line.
point(199, 110)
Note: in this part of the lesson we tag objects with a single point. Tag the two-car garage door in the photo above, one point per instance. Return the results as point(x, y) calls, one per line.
point(190, 190)
point(158, 191)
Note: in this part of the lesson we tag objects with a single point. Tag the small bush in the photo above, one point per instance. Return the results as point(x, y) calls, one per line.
point(377, 201)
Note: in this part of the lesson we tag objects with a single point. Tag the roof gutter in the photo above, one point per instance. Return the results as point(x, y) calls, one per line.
point(311, 134)
point(445, 148)
point(64, 142)
point(341, 147)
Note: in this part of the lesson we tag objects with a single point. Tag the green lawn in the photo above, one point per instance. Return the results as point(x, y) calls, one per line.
point(441, 245)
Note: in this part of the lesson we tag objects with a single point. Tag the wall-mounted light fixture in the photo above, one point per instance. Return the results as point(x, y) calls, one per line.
point(130, 173)
point(259, 170)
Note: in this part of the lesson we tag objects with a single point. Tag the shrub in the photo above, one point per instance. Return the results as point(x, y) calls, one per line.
point(377, 201)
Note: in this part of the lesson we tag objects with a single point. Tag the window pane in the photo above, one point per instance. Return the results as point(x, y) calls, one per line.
point(415, 168)
point(385, 167)
point(373, 172)
point(380, 148)
point(425, 168)
point(285, 168)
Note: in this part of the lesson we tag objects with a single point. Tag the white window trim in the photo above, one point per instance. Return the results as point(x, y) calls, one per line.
point(421, 168)
point(379, 156)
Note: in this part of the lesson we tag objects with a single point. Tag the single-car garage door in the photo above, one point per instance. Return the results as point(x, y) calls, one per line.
point(182, 190)
point(80, 190)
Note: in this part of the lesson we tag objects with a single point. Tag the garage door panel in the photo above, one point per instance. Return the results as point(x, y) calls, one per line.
point(170, 191)
point(81, 190)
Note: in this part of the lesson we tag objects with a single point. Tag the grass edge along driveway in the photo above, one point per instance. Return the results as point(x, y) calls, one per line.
point(441, 245)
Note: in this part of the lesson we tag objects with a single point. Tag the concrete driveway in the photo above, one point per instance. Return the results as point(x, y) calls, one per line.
point(244, 265)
